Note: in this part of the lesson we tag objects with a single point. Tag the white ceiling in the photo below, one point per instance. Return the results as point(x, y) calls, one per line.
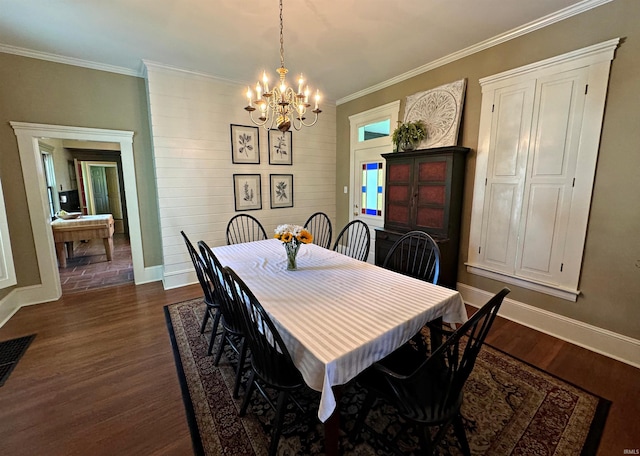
point(344, 46)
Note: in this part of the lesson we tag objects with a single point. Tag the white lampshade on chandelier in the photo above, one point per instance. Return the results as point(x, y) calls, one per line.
point(281, 107)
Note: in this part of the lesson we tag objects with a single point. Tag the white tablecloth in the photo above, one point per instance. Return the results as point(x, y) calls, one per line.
point(337, 315)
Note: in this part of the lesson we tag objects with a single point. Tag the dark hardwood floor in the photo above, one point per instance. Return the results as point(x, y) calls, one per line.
point(99, 378)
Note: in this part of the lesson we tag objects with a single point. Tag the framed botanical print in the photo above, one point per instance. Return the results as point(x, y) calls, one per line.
point(281, 190)
point(247, 191)
point(280, 147)
point(245, 144)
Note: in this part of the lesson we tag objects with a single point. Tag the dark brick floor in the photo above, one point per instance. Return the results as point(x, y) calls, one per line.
point(89, 268)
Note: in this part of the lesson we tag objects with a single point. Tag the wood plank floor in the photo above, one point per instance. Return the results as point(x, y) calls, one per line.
point(99, 378)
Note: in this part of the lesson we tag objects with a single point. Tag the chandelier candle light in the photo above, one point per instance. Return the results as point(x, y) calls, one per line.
point(292, 236)
point(281, 106)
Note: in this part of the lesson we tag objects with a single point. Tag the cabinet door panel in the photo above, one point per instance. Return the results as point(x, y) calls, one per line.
point(510, 129)
point(431, 218)
point(397, 214)
point(542, 213)
point(399, 194)
point(399, 172)
point(433, 170)
point(506, 170)
point(558, 107)
point(433, 183)
point(499, 244)
point(557, 120)
point(433, 194)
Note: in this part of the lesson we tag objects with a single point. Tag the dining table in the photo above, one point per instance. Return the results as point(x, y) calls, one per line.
point(337, 315)
point(82, 228)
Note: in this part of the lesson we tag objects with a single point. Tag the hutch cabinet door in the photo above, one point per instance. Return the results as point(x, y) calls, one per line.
point(432, 193)
point(399, 195)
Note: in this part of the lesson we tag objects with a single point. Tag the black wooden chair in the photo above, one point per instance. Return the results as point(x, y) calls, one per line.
point(271, 364)
point(354, 240)
point(428, 389)
point(212, 309)
point(415, 254)
point(232, 326)
point(244, 228)
point(319, 226)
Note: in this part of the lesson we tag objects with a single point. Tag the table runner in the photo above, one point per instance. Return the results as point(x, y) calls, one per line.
point(337, 315)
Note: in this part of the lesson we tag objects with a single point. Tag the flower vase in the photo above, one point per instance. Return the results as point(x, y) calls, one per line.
point(292, 251)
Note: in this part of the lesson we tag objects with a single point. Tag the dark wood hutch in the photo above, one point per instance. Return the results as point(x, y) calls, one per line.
point(424, 192)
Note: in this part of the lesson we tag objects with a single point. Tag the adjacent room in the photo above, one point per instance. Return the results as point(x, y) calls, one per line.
point(319, 228)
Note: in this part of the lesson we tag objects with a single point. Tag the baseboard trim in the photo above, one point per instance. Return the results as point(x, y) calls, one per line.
point(602, 341)
point(9, 305)
point(24, 296)
point(150, 274)
point(179, 279)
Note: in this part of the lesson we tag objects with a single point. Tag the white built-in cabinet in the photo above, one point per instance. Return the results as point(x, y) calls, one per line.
point(537, 150)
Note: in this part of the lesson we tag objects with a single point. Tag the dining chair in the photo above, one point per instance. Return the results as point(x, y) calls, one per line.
point(271, 364)
point(244, 228)
point(232, 327)
point(428, 389)
point(212, 309)
point(354, 240)
point(415, 254)
point(319, 226)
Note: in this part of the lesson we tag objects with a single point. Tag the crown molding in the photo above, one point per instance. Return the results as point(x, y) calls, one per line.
point(544, 21)
point(560, 15)
point(7, 49)
point(149, 64)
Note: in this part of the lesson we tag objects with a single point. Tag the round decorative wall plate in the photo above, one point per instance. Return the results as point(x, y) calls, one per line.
point(440, 109)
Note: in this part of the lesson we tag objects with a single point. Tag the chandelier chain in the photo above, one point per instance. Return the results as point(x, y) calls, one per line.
point(281, 105)
point(281, 39)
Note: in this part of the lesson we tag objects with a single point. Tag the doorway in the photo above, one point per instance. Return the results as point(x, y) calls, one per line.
point(82, 178)
point(33, 175)
point(370, 137)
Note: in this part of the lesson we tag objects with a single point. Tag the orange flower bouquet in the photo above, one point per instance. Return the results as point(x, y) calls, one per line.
point(292, 236)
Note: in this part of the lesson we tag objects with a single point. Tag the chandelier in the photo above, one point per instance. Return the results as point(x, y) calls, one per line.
point(281, 107)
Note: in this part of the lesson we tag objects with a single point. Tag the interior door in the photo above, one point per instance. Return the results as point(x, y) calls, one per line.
point(100, 191)
point(368, 190)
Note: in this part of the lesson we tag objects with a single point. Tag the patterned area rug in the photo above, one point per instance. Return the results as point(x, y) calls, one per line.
point(510, 408)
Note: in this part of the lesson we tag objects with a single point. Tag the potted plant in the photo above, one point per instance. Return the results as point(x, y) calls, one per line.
point(408, 135)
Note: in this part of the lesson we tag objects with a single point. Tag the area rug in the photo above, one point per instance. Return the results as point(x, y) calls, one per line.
point(10, 353)
point(510, 408)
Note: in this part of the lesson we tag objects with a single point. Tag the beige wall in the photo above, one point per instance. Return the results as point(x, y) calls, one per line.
point(610, 280)
point(51, 93)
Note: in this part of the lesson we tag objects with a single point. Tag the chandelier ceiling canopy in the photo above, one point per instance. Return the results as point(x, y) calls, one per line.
point(281, 106)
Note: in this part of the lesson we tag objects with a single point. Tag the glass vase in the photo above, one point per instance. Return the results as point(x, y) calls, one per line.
point(292, 251)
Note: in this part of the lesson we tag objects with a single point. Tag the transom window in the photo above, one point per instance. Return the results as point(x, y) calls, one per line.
point(374, 130)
